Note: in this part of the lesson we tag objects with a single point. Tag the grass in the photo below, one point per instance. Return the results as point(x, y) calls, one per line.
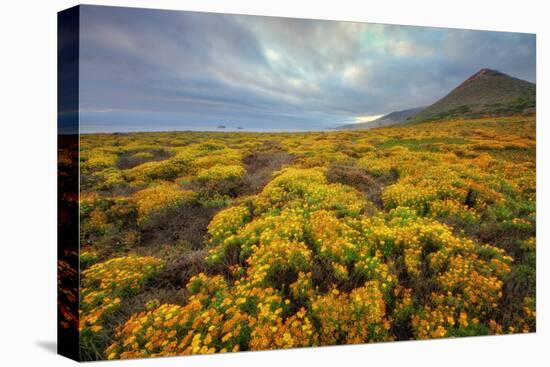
point(427, 144)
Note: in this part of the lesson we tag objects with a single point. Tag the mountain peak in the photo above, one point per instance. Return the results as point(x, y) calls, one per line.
point(488, 92)
point(483, 73)
point(488, 72)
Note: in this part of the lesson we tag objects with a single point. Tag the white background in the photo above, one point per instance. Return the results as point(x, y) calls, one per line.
point(28, 181)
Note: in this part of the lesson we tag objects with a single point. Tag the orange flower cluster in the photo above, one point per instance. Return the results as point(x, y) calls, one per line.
point(350, 318)
point(104, 284)
point(215, 319)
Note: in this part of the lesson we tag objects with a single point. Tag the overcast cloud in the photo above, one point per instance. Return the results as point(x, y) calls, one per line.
point(166, 70)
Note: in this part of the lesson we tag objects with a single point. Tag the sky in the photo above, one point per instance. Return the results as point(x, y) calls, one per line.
point(157, 70)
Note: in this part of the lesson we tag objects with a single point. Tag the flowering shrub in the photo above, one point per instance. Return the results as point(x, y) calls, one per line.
point(98, 159)
point(159, 198)
point(350, 318)
point(110, 178)
point(168, 169)
point(164, 170)
point(449, 208)
point(229, 157)
point(288, 226)
point(104, 284)
point(334, 240)
point(274, 260)
point(308, 189)
point(215, 319)
point(226, 222)
point(220, 172)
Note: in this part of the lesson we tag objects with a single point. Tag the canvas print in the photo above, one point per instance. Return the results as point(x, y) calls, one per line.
point(234, 183)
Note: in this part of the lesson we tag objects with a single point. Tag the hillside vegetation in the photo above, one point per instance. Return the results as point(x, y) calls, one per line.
point(196, 242)
point(486, 93)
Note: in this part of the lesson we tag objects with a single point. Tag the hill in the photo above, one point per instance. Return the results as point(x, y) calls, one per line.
point(392, 118)
point(486, 93)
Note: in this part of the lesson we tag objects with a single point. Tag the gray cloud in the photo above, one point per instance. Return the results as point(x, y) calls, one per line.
point(153, 69)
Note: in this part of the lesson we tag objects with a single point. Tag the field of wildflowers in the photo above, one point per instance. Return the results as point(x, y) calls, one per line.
point(413, 232)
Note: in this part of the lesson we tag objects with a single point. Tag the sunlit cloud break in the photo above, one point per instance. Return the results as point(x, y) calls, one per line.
point(361, 119)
